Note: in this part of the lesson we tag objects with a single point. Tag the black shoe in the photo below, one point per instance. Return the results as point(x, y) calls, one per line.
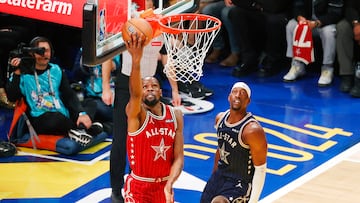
point(191, 90)
point(108, 127)
point(7, 149)
point(267, 71)
point(116, 197)
point(244, 69)
point(95, 129)
point(347, 82)
point(208, 92)
point(270, 66)
point(355, 91)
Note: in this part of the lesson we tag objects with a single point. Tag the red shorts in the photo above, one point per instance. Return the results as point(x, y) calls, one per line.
point(138, 191)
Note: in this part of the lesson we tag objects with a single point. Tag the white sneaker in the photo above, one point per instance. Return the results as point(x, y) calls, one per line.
point(295, 72)
point(327, 74)
point(80, 136)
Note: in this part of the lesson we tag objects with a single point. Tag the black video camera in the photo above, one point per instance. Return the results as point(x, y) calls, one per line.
point(26, 54)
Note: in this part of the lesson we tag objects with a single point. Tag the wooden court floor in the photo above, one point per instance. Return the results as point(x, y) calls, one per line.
point(335, 181)
point(313, 136)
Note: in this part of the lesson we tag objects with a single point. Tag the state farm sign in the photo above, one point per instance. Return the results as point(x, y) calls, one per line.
point(66, 12)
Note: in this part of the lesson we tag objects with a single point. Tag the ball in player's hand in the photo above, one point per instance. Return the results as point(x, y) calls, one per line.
point(138, 25)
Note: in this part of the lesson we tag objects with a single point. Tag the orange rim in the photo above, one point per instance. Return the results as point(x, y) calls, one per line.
point(163, 22)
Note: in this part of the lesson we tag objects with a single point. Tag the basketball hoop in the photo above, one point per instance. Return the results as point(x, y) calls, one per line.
point(187, 38)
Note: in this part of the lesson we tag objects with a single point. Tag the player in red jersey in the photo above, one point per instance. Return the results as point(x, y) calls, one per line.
point(155, 143)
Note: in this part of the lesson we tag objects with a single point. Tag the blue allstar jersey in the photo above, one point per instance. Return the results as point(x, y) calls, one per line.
point(235, 157)
point(43, 95)
point(151, 148)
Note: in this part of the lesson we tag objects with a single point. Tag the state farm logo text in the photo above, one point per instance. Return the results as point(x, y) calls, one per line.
point(59, 7)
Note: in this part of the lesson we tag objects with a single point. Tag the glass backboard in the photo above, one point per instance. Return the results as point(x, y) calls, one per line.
point(103, 21)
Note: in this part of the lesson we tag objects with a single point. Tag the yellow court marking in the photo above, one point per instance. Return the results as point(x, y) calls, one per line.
point(37, 151)
point(46, 179)
point(95, 148)
point(91, 150)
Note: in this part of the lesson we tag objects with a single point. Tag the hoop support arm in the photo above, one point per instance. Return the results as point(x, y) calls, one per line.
point(153, 19)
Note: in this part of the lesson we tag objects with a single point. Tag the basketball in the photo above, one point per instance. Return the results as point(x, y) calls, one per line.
point(138, 25)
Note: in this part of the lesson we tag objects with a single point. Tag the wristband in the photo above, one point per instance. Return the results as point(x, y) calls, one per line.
point(82, 113)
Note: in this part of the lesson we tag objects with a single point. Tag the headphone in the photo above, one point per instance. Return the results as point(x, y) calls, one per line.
point(35, 42)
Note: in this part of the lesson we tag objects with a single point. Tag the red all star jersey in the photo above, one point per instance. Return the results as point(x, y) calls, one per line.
point(150, 149)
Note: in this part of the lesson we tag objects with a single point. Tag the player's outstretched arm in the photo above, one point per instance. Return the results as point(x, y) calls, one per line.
point(133, 109)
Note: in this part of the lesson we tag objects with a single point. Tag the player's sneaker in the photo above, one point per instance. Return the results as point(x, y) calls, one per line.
point(80, 136)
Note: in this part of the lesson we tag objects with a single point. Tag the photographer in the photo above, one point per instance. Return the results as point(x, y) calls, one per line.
point(13, 29)
point(53, 107)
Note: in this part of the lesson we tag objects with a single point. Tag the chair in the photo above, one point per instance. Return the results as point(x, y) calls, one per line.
point(22, 135)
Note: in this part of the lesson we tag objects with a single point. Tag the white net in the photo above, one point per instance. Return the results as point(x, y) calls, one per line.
point(187, 40)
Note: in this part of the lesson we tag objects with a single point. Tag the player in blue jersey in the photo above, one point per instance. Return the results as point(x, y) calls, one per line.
point(240, 162)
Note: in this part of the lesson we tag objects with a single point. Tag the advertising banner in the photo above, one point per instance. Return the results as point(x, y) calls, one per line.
point(65, 12)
